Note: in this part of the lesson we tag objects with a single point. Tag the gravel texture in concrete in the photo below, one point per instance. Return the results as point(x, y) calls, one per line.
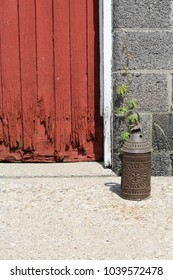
point(75, 211)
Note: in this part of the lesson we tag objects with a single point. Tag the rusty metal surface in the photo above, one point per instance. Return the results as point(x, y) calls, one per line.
point(136, 144)
point(136, 176)
point(136, 168)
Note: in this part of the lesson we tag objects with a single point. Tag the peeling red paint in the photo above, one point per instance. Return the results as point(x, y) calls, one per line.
point(49, 81)
point(45, 121)
point(45, 77)
point(10, 75)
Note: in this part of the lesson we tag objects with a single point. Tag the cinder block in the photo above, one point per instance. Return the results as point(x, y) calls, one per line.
point(118, 126)
point(116, 163)
point(163, 132)
point(161, 164)
point(149, 50)
point(141, 14)
point(147, 121)
point(161, 142)
point(150, 90)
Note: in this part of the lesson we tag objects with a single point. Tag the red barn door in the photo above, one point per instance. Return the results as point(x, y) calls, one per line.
point(49, 81)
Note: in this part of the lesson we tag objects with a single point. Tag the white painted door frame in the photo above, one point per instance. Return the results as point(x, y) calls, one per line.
point(106, 100)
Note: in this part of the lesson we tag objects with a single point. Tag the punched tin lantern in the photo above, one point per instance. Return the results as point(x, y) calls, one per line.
point(136, 168)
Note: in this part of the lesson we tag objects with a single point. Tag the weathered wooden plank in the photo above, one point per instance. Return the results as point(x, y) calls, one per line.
point(1, 130)
point(28, 71)
point(1, 111)
point(45, 75)
point(92, 83)
point(95, 130)
point(10, 75)
point(5, 152)
point(78, 72)
point(62, 76)
point(1, 127)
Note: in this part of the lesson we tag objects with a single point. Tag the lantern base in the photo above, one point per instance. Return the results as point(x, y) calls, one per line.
point(135, 197)
point(136, 176)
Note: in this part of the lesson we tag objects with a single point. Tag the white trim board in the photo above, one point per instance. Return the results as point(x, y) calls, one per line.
point(105, 15)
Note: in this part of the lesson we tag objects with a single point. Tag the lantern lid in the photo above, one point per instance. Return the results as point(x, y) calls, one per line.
point(136, 144)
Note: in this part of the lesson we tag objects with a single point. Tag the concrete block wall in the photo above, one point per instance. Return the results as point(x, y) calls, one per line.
point(146, 27)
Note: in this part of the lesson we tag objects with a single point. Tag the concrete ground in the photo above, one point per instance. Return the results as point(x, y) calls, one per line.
point(74, 211)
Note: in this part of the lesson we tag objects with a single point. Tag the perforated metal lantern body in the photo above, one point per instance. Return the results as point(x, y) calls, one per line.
point(136, 168)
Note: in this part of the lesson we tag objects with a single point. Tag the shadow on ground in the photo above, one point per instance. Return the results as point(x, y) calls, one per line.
point(115, 188)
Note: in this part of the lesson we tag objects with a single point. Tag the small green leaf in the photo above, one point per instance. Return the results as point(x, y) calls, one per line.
point(124, 135)
point(132, 103)
point(123, 89)
point(122, 110)
point(133, 118)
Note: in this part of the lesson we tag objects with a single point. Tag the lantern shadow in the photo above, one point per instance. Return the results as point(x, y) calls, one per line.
point(115, 188)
